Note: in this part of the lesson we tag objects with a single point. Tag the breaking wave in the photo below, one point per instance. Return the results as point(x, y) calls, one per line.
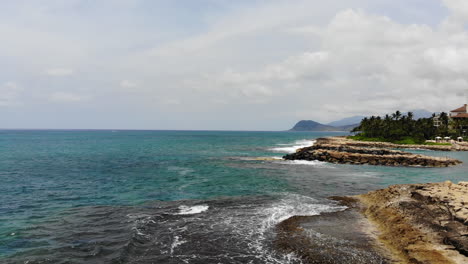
point(291, 148)
point(233, 230)
point(188, 210)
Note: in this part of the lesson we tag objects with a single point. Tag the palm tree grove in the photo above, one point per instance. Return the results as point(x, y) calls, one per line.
point(404, 129)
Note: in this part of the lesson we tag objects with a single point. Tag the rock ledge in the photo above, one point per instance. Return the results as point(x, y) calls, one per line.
point(422, 223)
point(341, 150)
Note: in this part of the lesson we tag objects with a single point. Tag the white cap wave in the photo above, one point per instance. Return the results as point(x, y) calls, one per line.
point(291, 148)
point(189, 210)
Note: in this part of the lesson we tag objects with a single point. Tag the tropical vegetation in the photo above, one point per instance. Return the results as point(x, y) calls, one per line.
point(404, 129)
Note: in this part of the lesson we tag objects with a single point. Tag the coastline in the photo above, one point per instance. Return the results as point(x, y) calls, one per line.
point(345, 151)
point(455, 146)
point(411, 223)
point(421, 223)
point(408, 223)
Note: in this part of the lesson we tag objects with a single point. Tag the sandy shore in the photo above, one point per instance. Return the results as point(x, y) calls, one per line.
point(415, 223)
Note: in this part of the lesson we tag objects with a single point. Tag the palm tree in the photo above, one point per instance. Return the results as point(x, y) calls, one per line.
point(398, 115)
point(397, 126)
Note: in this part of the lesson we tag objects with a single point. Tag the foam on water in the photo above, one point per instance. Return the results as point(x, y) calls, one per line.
point(259, 230)
point(189, 210)
point(295, 204)
point(273, 158)
point(230, 230)
point(175, 243)
point(291, 148)
point(314, 163)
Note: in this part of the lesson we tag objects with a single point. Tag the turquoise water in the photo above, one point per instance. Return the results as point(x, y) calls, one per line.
point(46, 175)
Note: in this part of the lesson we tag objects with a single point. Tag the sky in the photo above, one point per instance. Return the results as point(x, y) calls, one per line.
point(226, 65)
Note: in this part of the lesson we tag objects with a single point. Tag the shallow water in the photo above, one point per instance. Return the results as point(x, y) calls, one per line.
point(169, 196)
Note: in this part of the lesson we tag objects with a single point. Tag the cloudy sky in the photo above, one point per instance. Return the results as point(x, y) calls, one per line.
point(228, 65)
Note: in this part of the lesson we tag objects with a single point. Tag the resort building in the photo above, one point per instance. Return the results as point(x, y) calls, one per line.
point(460, 112)
point(460, 121)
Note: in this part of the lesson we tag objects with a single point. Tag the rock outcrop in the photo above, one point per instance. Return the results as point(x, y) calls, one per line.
point(455, 146)
point(331, 238)
point(343, 151)
point(421, 223)
point(405, 224)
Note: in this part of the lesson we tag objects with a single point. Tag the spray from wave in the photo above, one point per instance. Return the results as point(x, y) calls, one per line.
point(188, 210)
point(314, 163)
point(291, 148)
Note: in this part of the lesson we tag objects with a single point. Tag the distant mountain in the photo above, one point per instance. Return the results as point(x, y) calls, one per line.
point(421, 113)
point(348, 127)
point(347, 121)
point(346, 124)
point(309, 125)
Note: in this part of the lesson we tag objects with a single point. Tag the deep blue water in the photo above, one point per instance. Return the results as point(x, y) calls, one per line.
point(56, 186)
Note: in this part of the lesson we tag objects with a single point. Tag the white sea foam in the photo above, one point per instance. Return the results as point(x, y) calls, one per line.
point(138, 221)
point(259, 231)
point(291, 148)
point(314, 163)
point(295, 204)
point(175, 243)
point(274, 158)
point(189, 210)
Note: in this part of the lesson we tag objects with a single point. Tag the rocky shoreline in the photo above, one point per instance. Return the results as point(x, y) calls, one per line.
point(331, 238)
point(421, 223)
point(454, 146)
point(414, 223)
point(345, 151)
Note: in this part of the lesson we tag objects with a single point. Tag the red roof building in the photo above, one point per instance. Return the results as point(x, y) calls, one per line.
point(461, 112)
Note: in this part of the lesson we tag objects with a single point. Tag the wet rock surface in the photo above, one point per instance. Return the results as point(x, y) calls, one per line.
point(330, 238)
point(413, 223)
point(341, 150)
point(422, 223)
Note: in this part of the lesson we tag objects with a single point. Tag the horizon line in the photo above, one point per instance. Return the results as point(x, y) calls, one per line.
point(131, 129)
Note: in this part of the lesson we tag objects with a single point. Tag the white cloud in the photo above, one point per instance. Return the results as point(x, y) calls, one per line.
point(169, 101)
point(310, 59)
point(67, 97)
point(458, 7)
point(128, 84)
point(9, 94)
point(365, 64)
point(59, 72)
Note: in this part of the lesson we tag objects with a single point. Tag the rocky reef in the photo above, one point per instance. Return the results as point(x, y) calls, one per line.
point(421, 223)
point(344, 151)
point(454, 146)
point(406, 224)
point(331, 238)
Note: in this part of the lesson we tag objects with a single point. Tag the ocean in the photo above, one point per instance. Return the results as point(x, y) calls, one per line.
point(170, 196)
